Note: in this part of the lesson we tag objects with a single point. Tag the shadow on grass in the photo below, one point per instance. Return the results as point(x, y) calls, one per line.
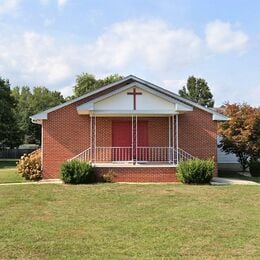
point(7, 163)
point(236, 175)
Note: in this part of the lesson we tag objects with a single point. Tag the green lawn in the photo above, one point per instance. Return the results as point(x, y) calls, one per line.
point(8, 171)
point(120, 221)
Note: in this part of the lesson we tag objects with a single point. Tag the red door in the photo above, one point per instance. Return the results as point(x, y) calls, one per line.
point(142, 141)
point(121, 140)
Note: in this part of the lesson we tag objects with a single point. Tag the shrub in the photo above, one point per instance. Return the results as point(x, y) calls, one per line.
point(195, 171)
point(109, 176)
point(29, 166)
point(254, 167)
point(76, 172)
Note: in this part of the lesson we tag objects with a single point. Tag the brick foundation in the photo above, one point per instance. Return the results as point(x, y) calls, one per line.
point(141, 174)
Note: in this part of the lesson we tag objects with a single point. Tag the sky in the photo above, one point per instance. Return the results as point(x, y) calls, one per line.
point(50, 42)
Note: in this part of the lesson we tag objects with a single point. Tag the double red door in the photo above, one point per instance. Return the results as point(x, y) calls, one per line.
point(122, 140)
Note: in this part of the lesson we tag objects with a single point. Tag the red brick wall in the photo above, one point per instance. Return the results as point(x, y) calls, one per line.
point(141, 174)
point(198, 134)
point(158, 131)
point(66, 134)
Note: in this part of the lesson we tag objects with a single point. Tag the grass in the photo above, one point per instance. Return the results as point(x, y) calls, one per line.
point(120, 221)
point(235, 175)
point(8, 172)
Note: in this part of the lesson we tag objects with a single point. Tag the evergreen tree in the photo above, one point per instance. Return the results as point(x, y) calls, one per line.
point(197, 89)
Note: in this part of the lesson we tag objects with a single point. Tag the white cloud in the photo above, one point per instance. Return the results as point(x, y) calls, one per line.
point(8, 5)
point(48, 22)
point(61, 3)
point(222, 38)
point(127, 47)
point(34, 57)
point(67, 90)
point(150, 48)
point(174, 84)
point(145, 44)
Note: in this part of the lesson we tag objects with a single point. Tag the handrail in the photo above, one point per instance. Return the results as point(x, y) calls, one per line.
point(183, 155)
point(141, 153)
point(83, 156)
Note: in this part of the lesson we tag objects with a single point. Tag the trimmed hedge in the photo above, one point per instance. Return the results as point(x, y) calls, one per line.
point(254, 167)
point(76, 172)
point(29, 166)
point(195, 171)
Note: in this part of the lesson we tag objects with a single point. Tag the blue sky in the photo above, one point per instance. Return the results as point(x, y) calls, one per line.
point(49, 42)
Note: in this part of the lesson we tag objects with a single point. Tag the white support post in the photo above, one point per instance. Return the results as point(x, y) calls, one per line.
point(177, 137)
point(136, 138)
point(95, 137)
point(91, 139)
point(132, 150)
point(173, 139)
point(42, 145)
point(169, 149)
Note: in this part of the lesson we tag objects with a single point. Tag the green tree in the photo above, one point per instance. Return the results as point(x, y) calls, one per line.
point(29, 103)
point(241, 134)
point(86, 83)
point(23, 110)
point(197, 89)
point(9, 131)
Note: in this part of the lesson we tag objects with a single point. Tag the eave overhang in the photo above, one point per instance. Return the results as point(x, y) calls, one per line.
point(135, 80)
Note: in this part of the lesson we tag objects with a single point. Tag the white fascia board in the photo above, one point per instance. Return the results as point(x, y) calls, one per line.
point(219, 117)
point(130, 113)
point(183, 108)
point(85, 108)
point(39, 116)
point(134, 112)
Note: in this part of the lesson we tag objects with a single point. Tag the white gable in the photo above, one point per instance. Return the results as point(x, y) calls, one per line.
point(124, 101)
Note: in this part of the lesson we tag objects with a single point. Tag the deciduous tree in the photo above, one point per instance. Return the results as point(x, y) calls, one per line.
point(86, 83)
point(9, 131)
point(241, 134)
point(29, 103)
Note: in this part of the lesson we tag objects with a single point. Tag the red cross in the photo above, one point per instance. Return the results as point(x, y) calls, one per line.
point(134, 93)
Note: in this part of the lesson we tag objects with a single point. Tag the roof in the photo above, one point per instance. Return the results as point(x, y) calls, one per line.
point(215, 115)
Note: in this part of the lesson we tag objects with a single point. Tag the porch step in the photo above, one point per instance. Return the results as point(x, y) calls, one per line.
point(131, 165)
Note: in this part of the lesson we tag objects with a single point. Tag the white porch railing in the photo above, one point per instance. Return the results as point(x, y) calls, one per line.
point(112, 154)
point(154, 154)
point(139, 154)
point(83, 156)
point(181, 155)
